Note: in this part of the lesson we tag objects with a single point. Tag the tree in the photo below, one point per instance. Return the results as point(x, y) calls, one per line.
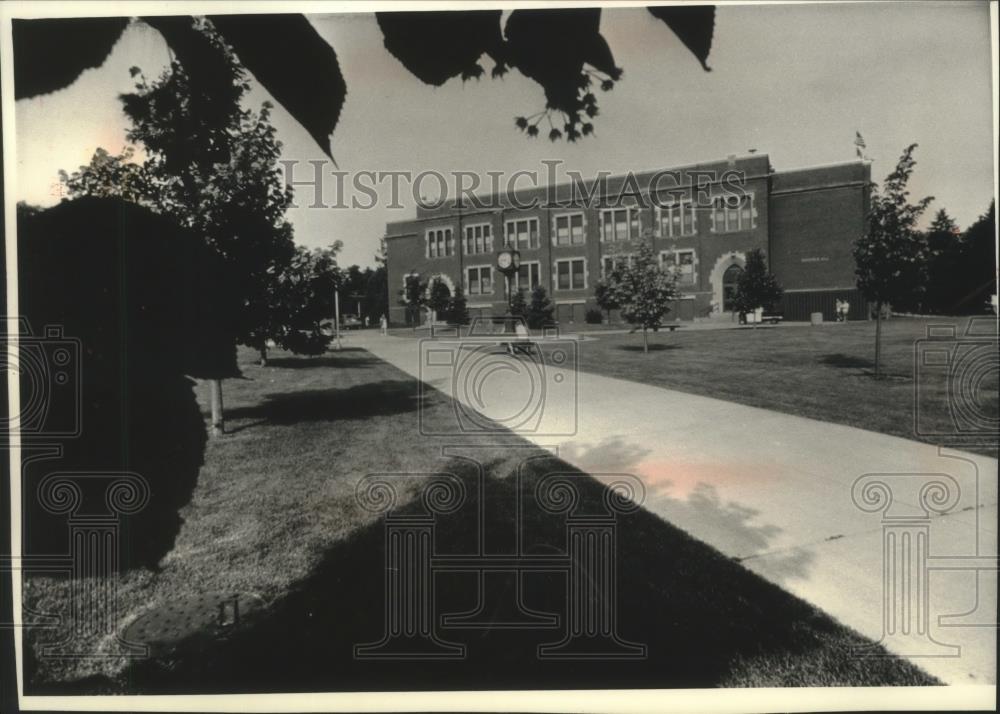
point(303, 300)
point(756, 287)
point(979, 262)
point(377, 294)
point(519, 304)
point(112, 176)
point(605, 298)
point(945, 282)
point(458, 311)
point(540, 309)
point(562, 50)
point(643, 291)
point(891, 256)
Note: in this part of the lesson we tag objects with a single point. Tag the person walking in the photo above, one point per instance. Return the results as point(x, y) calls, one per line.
point(383, 325)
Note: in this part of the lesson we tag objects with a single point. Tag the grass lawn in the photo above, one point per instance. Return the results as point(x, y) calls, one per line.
point(274, 514)
point(823, 372)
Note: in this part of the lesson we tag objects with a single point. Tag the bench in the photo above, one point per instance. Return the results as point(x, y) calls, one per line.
point(670, 327)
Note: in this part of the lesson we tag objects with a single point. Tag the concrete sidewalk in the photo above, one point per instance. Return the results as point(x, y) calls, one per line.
point(828, 512)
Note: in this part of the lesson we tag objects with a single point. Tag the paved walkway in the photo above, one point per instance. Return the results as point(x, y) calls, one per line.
point(778, 492)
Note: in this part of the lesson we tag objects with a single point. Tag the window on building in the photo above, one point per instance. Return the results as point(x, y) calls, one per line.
point(678, 219)
point(479, 280)
point(569, 229)
point(522, 233)
point(571, 274)
point(439, 243)
point(733, 213)
point(478, 239)
point(618, 224)
point(529, 276)
point(681, 261)
point(610, 262)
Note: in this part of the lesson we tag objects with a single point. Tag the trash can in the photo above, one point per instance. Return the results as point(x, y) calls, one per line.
point(816, 318)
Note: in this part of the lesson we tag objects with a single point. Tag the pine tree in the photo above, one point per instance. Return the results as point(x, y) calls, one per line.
point(519, 304)
point(945, 282)
point(458, 311)
point(540, 309)
point(979, 263)
point(756, 287)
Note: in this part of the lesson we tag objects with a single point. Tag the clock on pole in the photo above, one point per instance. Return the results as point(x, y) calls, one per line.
point(508, 262)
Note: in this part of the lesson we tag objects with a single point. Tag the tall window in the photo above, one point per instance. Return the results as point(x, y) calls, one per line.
point(523, 233)
point(733, 213)
point(529, 276)
point(439, 243)
point(678, 219)
point(681, 261)
point(478, 239)
point(571, 274)
point(619, 224)
point(569, 229)
point(479, 280)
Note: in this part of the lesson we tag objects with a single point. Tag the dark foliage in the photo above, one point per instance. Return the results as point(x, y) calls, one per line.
point(540, 309)
point(316, 104)
point(980, 258)
point(211, 93)
point(458, 310)
point(147, 300)
point(436, 46)
point(693, 25)
point(552, 47)
point(562, 50)
point(50, 54)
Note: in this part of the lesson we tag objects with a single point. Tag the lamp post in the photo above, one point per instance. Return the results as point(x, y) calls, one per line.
point(508, 263)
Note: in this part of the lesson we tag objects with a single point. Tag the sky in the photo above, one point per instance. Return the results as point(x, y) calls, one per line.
point(791, 81)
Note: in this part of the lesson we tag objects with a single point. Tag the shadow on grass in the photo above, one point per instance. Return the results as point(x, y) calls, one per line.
point(653, 347)
point(697, 611)
point(335, 404)
point(358, 358)
point(846, 361)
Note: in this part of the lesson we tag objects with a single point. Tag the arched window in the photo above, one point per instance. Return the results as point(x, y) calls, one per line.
point(729, 280)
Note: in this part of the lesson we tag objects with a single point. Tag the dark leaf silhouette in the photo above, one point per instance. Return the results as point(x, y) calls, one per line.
point(693, 25)
point(51, 54)
point(277, 50)
point(552, 47)
point(436, 46)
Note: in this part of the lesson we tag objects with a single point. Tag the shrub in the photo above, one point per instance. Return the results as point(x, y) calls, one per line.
point(594, 316)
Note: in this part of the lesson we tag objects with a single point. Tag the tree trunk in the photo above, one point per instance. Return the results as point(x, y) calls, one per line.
point(263, 355)
point(878, 339)
point(218, 424)
point(645, 340)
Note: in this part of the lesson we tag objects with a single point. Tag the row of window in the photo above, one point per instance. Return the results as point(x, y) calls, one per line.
point(617, 225)
point(681, 261)
point(571, 273)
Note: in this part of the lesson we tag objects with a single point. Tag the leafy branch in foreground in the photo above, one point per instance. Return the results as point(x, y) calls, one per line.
point(562, 50)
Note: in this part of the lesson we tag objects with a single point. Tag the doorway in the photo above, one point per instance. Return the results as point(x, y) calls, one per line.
point(730, 278)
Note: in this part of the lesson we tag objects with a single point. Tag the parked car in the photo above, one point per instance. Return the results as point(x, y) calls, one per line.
point(350, 322)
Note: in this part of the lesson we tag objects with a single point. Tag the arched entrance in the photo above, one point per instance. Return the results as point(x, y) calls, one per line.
point(730, 278)
point(723, 277)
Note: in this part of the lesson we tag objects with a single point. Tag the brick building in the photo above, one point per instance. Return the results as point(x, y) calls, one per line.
point(704, 220)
